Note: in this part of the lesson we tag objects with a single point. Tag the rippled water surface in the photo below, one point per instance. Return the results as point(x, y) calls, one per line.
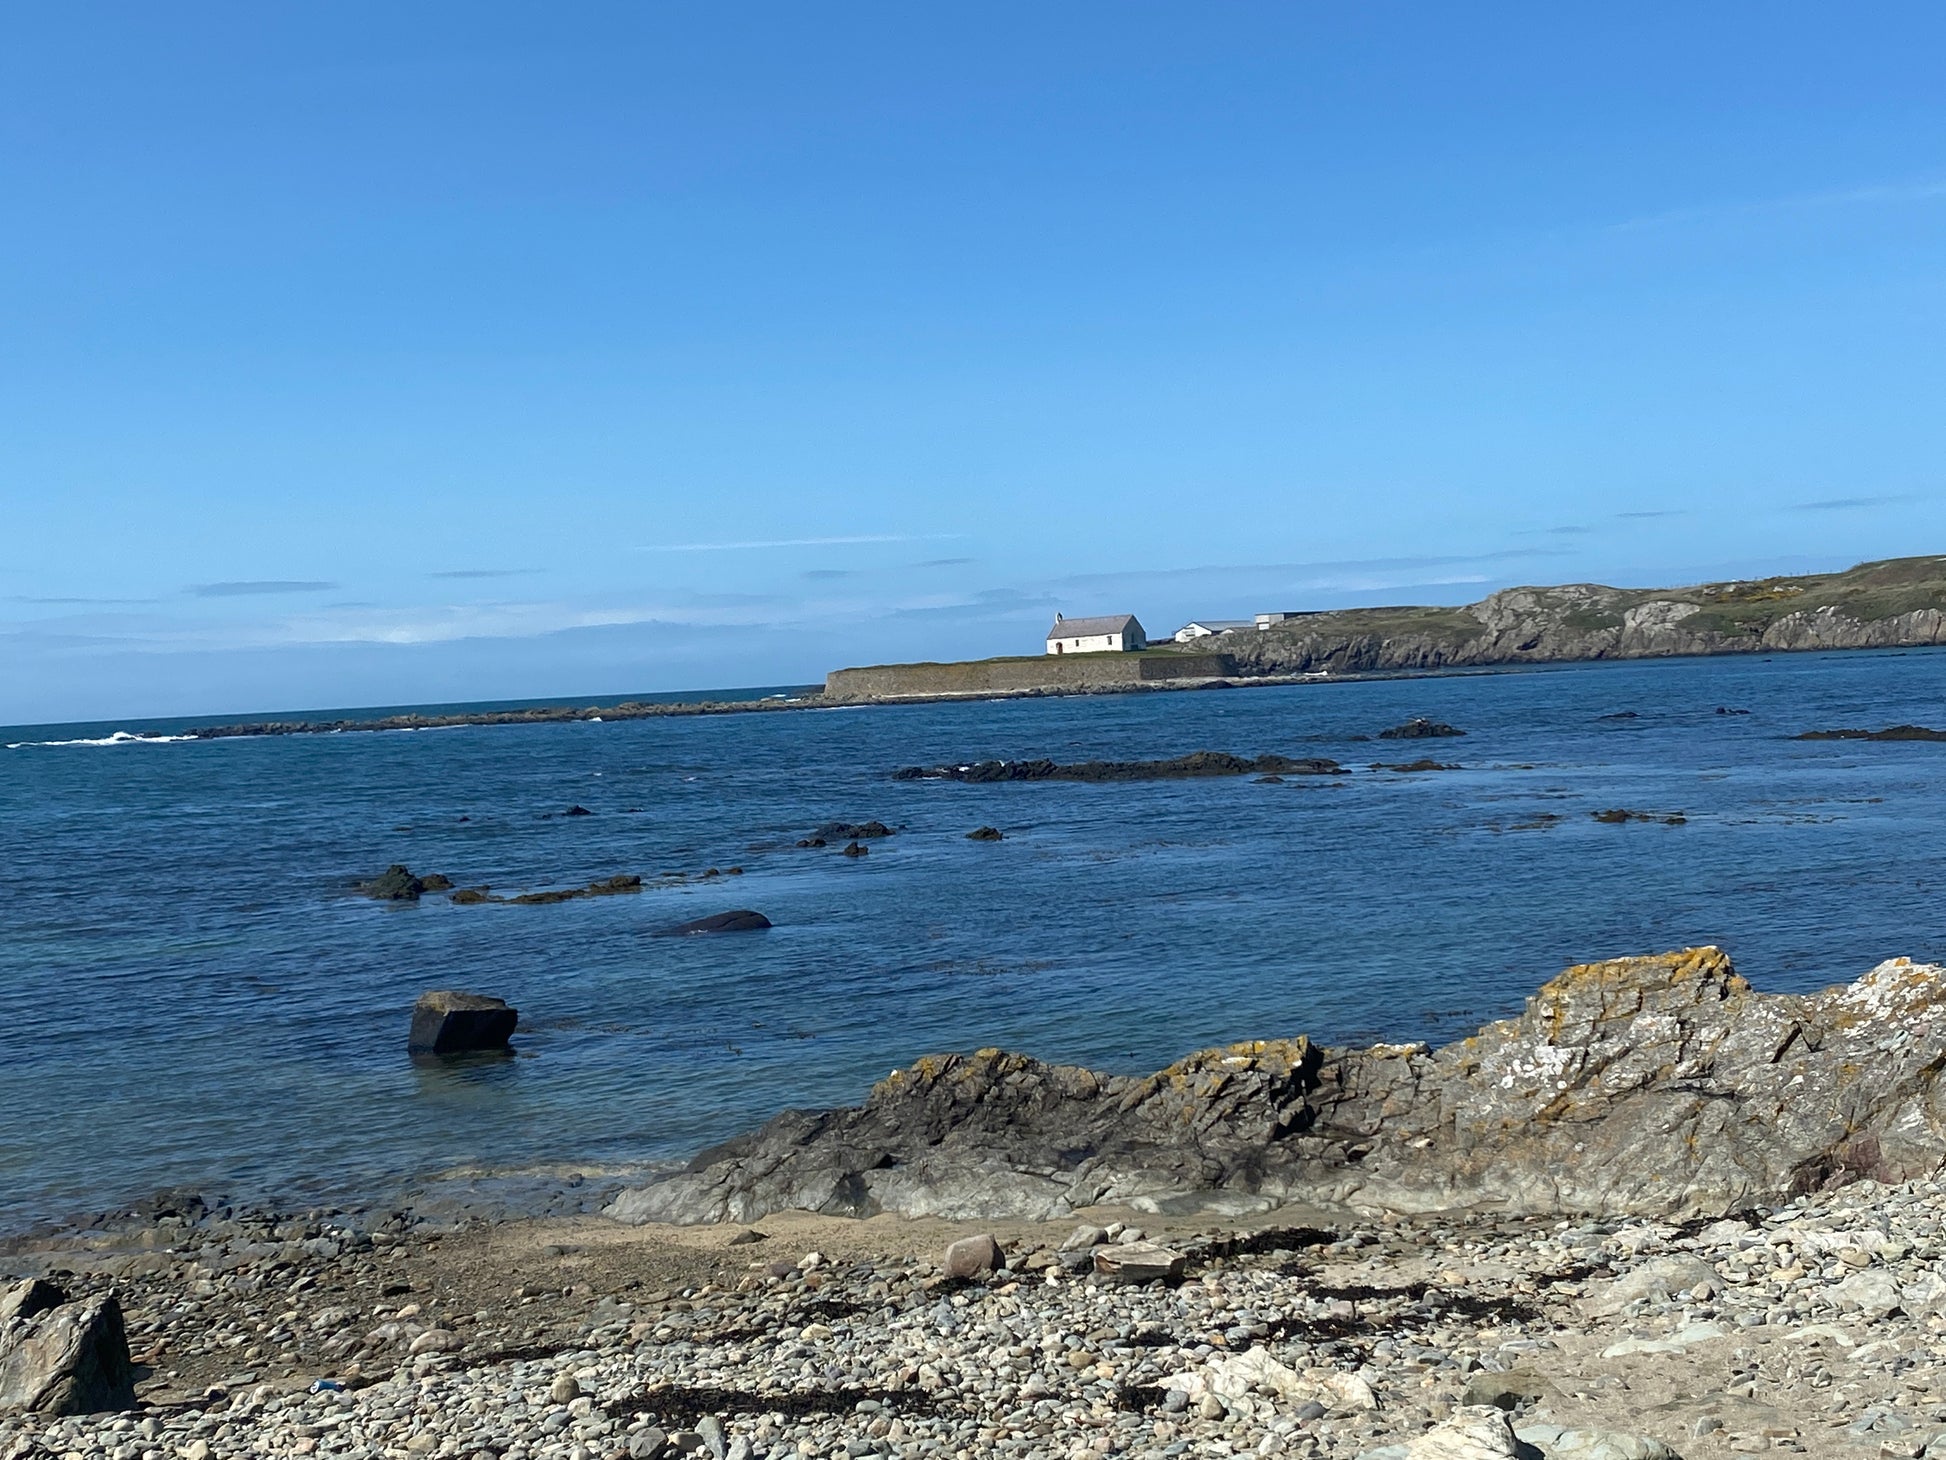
point(189, 992)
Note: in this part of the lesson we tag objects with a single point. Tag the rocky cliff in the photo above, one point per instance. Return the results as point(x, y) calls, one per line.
point(1657, 1085)
point(1894, 603)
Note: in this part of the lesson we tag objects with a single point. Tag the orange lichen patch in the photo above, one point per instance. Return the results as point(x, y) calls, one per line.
point(1626, 985)
point(1208, 1072)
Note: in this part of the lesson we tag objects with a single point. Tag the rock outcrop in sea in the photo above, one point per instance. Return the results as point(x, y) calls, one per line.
point(1660, 1085)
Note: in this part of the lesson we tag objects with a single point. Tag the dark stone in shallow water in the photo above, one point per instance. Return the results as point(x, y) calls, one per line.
point(1894, 732)
point(741, 920)
point(446, 1021)
point(852, 831)
point(1182, 767)
point(395, 884)
point(1420, 728)
point(985, 834)
point(855, 849)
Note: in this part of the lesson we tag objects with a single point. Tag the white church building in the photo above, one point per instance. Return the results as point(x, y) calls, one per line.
point(1107, 635)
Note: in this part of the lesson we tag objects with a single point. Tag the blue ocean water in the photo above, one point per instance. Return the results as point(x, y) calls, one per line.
point(190, 993)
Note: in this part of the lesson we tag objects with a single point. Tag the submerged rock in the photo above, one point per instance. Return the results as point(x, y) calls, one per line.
point(740, 920)
point(1618, 815)
point(446, 1021)
point(1893, 732)
point(1420, 728)
point(855, 849)
point(63, 1358)
point(852, 831)
point(1182, 767)
point(1657, 1085)
point(395, 884)
point(985, 834)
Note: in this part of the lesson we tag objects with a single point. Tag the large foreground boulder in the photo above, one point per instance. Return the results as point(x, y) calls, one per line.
point(448, 1022)
point(1658, 1085)
point(63, 1358)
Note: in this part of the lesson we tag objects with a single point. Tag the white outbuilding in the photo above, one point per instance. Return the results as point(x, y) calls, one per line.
point(1207, 628)
point(1110, 634)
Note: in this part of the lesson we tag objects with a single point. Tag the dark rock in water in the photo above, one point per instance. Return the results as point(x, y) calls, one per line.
point(448, 1022)
point(1622, 715)
point(1724, 710)
point(1663, 1085)
point(1894, 732)
point(394, 884)
point(435, 882)
point(813, 841)
point(1420, 728)
point(853, 831)
point(1269, 781)
point(742, 920)
point(1197, 763)
point(466, 895)
point(1216, 684)
point(855, 849)
point(985, 834)
point(1413, 766)
point(577, 811)
point(71, 1358)
point(605, 887)
point(1617, 816)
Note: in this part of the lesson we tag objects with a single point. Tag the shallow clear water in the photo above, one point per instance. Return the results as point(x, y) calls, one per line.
point(189, 993)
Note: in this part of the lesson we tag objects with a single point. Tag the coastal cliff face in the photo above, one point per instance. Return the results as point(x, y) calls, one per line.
point(1656, 1085)
point(1897, 603)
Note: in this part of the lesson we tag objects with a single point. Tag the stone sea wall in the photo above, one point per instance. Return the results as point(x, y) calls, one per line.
point(1057, 673)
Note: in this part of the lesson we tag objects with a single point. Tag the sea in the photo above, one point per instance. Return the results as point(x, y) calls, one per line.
point(193, 993)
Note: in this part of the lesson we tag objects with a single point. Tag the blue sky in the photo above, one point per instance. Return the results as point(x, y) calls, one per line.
point(364, 353)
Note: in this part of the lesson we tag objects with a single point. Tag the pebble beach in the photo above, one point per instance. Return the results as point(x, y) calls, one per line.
point(1814, 1328)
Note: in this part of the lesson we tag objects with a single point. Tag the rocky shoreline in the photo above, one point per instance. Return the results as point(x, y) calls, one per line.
point(1658, 1214)
point(1654, 1086)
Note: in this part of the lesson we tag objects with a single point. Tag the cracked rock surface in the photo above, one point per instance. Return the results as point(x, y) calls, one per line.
point(1660, 1085)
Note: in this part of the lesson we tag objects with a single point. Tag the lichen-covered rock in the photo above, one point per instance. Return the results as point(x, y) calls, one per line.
point(1661, 1085)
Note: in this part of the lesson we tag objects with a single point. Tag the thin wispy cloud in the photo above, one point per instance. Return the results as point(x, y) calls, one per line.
point(1644, 516)
point(1925, 190)
point(75, 602)
point(943, 562)
point(254, 587)
point(753, 544)
point(463, 573)
point(824, 574)
point(1360, 566)
point(1849, 504)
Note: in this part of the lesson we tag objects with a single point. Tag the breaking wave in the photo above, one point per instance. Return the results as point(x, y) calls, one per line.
point(120, 737)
